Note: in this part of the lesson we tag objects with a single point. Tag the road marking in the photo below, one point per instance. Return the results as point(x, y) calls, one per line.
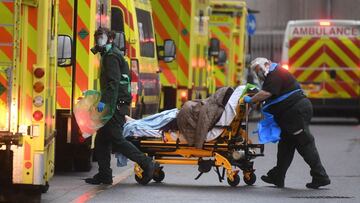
point(98, 189)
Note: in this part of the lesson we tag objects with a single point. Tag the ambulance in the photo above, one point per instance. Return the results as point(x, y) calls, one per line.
point(186, 22)
point(28, 50)
point(79, 70)
point(143, 52)
point(324, 56)
point(228, 25)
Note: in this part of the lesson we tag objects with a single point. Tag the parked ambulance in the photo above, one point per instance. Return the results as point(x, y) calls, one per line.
point(324, 56)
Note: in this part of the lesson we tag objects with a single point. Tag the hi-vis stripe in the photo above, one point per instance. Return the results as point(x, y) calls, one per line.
point(222, 33)
point(225, 75)
point(168, 26)
point(128, 26)
point(6, 55)
point(27, 57)
point(6, 32)
point(82, 64)
point(64, 76)
point(312, 60)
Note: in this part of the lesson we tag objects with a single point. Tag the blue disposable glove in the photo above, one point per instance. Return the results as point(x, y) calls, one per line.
point(100, 106)
point(247, 99)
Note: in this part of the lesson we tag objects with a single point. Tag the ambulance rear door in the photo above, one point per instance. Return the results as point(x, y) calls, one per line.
point(324, 58)
point(6, 62)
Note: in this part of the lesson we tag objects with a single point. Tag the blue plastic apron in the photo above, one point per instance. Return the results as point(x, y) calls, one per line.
point(268, 129)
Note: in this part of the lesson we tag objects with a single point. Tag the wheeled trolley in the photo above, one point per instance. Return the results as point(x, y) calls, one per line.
point(230, 151)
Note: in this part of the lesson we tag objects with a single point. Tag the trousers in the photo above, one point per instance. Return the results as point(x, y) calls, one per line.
point(296, 135)
point(111, 136)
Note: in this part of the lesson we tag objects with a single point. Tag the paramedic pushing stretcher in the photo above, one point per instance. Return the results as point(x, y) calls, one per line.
point(293, 115)
point(115, 94)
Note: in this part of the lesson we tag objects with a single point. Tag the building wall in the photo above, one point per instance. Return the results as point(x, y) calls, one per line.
point(274, 14)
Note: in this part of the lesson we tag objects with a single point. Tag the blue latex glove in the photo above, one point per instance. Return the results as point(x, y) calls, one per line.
point(100, 107)
point(247, 99)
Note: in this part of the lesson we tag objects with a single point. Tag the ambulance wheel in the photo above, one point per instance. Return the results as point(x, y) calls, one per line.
point(159, 176)
point(251, 180)
point(142, 181)
point(234, 182)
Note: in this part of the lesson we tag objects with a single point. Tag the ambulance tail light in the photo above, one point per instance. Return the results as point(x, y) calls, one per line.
point(324, 23)
point(183, 96)
point(39, 72)
point(285, 66)
point(38, 115)
point(134, 66)
point(38, 87)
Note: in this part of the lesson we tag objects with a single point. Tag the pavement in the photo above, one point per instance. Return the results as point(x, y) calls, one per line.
point(338, 143)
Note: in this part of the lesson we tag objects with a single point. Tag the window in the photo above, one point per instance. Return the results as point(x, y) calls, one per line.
point(146, 35)
point(117, 20)
point(102, 14)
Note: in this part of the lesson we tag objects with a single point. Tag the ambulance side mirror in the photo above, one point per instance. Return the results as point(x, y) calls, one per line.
point(64, 51)
point(222, 57)
point(167, 53)
point(214, 47)
point(120, 42)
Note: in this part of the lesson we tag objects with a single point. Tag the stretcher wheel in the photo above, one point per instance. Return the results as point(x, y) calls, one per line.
point(251, 180)
point(235, 182)
point(142, 181)
point(159, 176)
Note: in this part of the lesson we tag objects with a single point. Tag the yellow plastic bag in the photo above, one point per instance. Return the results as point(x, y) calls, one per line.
point(87, 117)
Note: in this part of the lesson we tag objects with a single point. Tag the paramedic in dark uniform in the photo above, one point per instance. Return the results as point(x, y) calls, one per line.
point(293, 115)
point(115, 94)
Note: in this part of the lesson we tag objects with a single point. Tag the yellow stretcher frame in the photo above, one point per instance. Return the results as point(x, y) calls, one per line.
point(231, 149)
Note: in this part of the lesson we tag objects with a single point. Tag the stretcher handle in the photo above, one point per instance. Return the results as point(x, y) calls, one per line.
point(247, 112)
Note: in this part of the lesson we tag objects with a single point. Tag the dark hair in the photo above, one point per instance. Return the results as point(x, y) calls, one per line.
point(104, 30)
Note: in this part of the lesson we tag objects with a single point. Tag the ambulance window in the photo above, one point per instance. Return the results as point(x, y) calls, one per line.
point(146, 34)
point(117, 20)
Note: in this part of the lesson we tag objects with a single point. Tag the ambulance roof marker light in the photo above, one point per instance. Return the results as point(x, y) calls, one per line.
point(324, 23)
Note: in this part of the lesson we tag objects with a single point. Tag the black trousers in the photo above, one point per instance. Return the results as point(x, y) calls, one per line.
point(296, 135)
point(110, 135)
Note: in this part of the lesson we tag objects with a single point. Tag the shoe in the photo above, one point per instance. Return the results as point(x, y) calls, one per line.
point(270, 180)
point(315, 184)
point(96, 180)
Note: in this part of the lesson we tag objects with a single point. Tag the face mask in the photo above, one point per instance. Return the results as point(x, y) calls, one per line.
point(101, 42)
point(260, 74)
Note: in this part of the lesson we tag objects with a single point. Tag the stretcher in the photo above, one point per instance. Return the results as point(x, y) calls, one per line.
point(231, 151)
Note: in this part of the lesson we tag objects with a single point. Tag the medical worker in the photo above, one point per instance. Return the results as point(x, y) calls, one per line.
point(115, 94)
point(292, 111)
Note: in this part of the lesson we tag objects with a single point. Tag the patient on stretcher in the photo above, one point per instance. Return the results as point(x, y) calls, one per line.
point(188, 124)
point(154, 125)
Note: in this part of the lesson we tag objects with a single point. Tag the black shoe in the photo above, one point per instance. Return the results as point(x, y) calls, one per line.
point(270, 180)
point(315, 184)
point(96, 180)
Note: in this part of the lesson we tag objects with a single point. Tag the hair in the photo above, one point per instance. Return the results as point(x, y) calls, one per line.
point(104, 30)
point(259, 61)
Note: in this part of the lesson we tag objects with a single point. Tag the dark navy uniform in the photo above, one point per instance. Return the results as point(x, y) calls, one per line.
point(293, 116)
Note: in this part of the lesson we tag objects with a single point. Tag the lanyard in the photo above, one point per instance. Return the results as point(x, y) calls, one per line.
point(279, 99)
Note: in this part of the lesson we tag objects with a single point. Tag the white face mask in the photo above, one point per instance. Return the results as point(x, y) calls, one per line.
point(261, 74)
point(102, 40)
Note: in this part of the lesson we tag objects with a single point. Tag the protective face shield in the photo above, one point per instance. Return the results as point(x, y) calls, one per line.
point(261, 67)
point(101, 41)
